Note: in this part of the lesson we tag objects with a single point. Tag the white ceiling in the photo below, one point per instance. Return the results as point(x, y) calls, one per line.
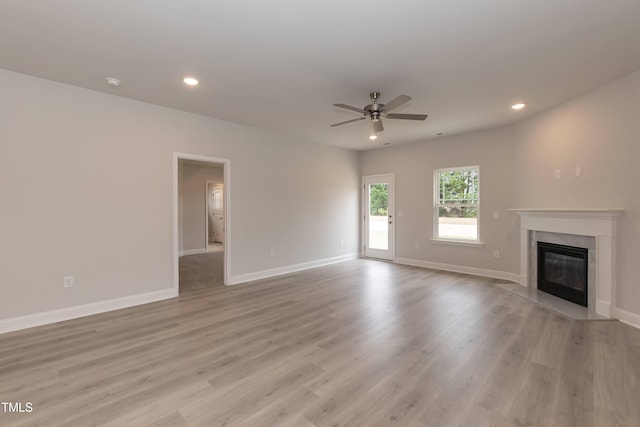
point(281, 64)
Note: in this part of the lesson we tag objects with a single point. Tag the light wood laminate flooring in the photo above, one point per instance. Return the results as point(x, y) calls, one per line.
point(360, 343)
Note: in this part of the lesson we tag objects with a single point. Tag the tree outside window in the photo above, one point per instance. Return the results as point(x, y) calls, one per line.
point(379, 199)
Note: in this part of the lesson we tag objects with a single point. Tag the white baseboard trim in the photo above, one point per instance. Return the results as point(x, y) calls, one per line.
point(53, 316)
point(192, 252)
point(603, 308)
point(631, 319)
point(243, 278)
point(494, 274)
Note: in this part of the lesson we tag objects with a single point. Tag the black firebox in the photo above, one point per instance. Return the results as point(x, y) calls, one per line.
point(563, 271)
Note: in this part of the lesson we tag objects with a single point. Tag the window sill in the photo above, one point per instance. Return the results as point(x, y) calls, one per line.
point(458, 242)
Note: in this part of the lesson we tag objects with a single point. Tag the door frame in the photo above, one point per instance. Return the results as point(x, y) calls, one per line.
point(391, 177)
point(226, 197)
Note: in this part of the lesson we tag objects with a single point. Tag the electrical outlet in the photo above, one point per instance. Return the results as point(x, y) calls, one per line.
point(496, 254)
point(68, 282)
point(341, 243)
point(272, 252)
point(416, 245)
point(496, 214)
point(558, 173)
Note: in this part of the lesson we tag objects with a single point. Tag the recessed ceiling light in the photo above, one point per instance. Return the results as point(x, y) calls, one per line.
point(190, 81)
point(112, 81)
point(518, 106)
point(373, 137)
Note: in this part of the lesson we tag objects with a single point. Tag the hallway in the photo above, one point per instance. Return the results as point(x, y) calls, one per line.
point(203, 270)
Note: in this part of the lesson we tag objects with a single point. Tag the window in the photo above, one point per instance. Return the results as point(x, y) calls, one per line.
point(456, 204)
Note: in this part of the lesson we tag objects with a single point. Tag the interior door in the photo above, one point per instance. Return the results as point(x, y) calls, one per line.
point(378, 217)
point(218, 214)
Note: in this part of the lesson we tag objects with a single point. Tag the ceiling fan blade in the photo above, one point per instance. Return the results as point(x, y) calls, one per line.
point(348, 121)
point(377, 125)
point(407, 116)
point(349, 107)
point(396, 102)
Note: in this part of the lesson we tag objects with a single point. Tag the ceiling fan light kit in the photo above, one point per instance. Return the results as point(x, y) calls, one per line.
point(190, 81)
point(375, 111)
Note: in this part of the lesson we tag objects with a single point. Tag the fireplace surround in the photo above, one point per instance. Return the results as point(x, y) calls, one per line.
point(600, 224)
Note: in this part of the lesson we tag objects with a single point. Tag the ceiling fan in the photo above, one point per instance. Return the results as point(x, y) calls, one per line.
point(375, 111)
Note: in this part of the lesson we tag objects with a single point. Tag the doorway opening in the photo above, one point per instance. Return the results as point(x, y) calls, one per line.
point(201, 230)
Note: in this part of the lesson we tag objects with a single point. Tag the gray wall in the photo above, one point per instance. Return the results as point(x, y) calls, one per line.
point(599, 132)
point(86, 185)
point(413, 165)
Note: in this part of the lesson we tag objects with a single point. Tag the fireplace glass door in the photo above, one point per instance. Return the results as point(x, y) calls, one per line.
point(563, 271)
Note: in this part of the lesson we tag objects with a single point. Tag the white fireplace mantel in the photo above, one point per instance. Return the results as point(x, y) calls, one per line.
point(598, 223)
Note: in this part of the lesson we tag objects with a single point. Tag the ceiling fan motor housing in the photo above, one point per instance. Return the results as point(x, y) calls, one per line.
point(373, 110)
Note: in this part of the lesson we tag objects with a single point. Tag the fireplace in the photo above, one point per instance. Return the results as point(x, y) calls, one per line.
point(563, 271)
point(600, 224)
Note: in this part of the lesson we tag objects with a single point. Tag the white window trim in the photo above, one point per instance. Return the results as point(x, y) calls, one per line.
point(458, 242)
point(436, 191)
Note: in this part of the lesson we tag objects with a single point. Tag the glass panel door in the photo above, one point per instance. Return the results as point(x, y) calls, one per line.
point(378, 218)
